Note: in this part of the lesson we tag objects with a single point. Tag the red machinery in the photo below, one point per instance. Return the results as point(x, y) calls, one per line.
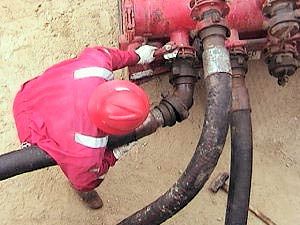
point(270, 27)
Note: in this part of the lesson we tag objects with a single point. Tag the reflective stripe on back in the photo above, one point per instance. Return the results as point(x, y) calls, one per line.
point(91, 142)
point(93, 72)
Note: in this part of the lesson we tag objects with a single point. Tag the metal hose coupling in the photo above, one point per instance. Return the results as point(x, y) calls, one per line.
point(216, 57)
point(281, 54)
point(212, 30)
point(240, 95)
point(284, 17)
point(282, 61)
point(175, 106)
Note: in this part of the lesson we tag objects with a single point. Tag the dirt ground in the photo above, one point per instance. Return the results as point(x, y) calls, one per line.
point(35, 34)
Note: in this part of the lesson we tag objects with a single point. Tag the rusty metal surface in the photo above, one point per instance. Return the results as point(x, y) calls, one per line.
point(212, 31)
point(212, 19)
point(200, 7)
point(282, 61)
point(240, 96)
point(163, 20)
point(175, 107)
point(127, 20)
point(284, 18)
point(219, 182)
point(151, 124)
point(216, 60)
point(245, 16)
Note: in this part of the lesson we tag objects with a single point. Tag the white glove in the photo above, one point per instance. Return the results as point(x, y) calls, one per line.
point(146, 54)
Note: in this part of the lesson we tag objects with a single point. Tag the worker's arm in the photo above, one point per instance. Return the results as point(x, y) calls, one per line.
point(120, 59)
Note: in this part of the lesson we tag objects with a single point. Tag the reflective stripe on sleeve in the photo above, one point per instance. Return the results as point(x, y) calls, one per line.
point(91, 142)
point(93, 72)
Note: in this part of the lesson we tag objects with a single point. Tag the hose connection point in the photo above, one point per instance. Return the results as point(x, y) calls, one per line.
point(212, 30)
point(240, 96)
point(216, 60)
point(239, 61)
point(282, 61)
point(201, 7)
point(175, 106)
point(209, 13)
point(284, 18)
point(183, 72)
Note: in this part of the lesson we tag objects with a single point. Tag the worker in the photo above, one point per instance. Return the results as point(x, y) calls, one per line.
point(72, 107)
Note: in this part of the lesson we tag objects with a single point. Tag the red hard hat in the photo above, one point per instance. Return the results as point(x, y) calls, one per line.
point(118, 107)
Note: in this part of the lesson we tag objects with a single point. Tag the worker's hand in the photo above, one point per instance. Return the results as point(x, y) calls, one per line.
point(146, 54)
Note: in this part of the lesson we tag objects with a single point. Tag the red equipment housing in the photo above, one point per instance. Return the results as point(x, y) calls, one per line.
point(158, 22)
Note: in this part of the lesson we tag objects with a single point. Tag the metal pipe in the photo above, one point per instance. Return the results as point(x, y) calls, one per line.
point(185, 92)
point(256, 44)
point(241, 146)
point(23, 161)
point(251, 44)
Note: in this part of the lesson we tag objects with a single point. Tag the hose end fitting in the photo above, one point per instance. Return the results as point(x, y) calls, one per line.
point(240, 96)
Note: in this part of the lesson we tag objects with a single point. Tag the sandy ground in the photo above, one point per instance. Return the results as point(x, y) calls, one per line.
point(34, 34)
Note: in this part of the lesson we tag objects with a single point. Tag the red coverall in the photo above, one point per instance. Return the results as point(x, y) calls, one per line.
point(51, 112)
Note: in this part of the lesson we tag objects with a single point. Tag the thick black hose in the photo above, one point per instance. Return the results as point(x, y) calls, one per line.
point(118, 141)
point(23, 161)
point(241, 168)
point(202, 164)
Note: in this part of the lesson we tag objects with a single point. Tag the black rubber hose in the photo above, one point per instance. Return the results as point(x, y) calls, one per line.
point(241, 168)
point(23, 161)
point(118, 141)
point(202, 164)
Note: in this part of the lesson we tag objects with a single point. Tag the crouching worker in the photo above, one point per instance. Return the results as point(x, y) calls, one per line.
point(70, 109)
